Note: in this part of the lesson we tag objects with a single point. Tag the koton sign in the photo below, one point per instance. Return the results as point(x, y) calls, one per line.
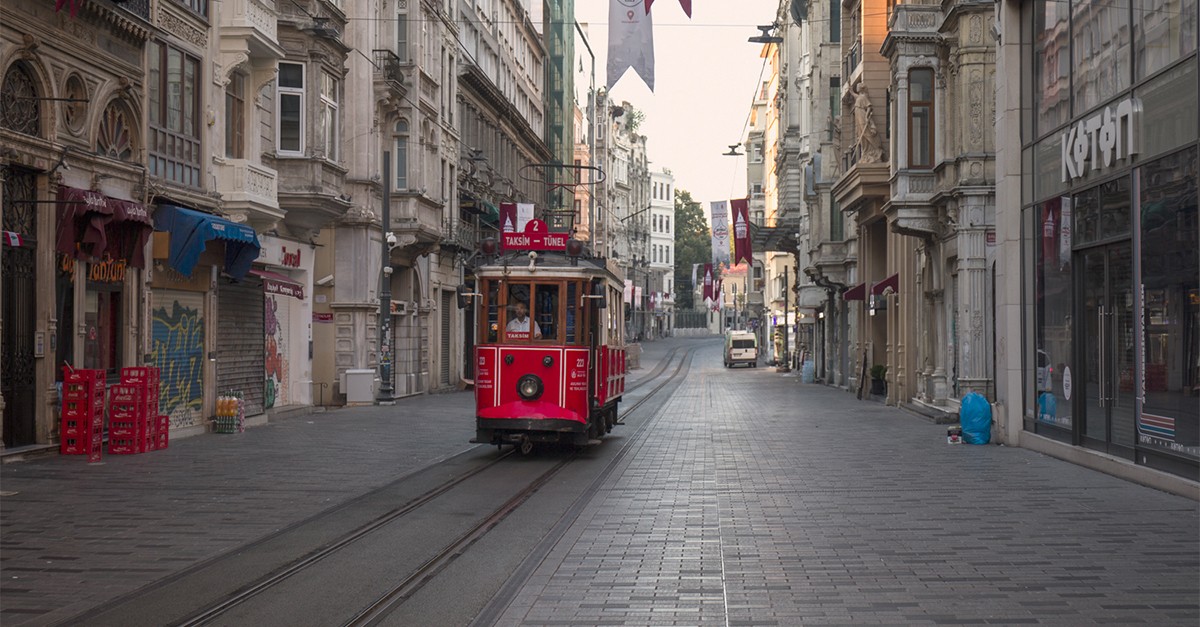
point(1102, 140)
point(535, 237)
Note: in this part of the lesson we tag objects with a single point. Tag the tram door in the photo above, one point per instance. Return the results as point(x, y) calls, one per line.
point(1108, 349)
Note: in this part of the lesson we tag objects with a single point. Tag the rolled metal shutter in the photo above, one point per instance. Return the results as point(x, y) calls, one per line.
point(177, 333)
point(241, 366)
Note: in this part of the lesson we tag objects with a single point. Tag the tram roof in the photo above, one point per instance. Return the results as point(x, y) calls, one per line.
point(548, 263)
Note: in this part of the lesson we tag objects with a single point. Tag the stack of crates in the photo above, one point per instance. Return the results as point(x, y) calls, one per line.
point(82, 412)
point(157, 425)
point(134, 425)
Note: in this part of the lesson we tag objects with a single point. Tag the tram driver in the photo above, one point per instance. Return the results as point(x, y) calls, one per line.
point(520, 322)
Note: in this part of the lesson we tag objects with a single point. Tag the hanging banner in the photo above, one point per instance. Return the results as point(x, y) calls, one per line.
point(742, 251)
point(508, 218)
point(627, 296)
point(708, 283)
point(686, 4)
point(524, 215)
point(719, 213)
point(630, 41)
point(694, 266)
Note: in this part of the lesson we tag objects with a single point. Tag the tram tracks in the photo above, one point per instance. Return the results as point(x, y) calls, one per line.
point(389, 601)
point(223, 606)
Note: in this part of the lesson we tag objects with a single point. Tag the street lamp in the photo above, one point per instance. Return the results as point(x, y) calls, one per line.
point(385, 290)
point(733, 151)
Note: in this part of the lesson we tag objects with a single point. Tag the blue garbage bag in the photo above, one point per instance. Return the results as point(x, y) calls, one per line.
point(808, 372)
point(975, 415)
point(1047, 408)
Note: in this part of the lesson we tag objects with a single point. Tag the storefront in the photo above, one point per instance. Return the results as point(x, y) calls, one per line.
point(206, 317)
point(1111, 232)
point(284, 270)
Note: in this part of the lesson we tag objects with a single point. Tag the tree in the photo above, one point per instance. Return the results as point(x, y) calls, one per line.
point(693, 244)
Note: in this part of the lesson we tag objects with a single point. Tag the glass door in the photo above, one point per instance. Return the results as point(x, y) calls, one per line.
point(1107, 347)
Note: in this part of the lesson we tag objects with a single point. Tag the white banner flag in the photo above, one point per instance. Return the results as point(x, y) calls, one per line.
point(524, 215)
point(630, 41)
point(719, 210)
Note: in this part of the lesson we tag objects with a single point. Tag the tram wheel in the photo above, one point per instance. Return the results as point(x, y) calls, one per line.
point(526, 446)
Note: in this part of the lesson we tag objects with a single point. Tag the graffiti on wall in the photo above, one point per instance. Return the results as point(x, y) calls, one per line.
point(277, 391)
point(177, 348)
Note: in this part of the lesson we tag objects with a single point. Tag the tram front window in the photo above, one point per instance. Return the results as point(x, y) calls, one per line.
point(531, 312)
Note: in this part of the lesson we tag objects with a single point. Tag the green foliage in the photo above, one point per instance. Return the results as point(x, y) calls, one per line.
point(634, 119)
point(693, 244)
point(878, 371)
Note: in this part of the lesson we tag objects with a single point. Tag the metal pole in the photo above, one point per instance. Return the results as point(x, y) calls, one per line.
point(591, 139)
point(385, 290)
point(787, 361)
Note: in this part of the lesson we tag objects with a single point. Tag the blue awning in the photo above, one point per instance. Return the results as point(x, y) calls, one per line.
point(192, 230)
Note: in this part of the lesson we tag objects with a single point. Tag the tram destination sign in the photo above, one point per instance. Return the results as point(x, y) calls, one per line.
point(536, 236)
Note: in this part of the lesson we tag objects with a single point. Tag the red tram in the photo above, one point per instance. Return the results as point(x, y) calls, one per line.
point(550, 353)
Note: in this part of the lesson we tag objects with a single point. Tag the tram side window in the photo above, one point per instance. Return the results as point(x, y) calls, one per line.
point(572, 312)
point(546, 310)
point(493, 311)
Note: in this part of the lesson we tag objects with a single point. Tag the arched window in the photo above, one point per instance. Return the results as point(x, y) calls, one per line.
point(20, 108)
point(115, 139)
point(920, 118)
point(401, 155)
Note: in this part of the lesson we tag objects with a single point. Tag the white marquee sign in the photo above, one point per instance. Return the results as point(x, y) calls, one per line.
point(1101, 140)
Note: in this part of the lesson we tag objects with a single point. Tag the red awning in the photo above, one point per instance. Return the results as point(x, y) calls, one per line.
point(91, 225)
point(892, 282)
point(276, 283)
point(858, 292)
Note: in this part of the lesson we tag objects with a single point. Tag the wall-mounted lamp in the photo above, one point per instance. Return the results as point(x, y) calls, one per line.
point(733, 151)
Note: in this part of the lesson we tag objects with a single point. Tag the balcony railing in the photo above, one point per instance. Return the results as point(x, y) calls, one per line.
point(851, 60)
point(140, 8)
point(247, 185)
point(389, 68)
point(259, 16)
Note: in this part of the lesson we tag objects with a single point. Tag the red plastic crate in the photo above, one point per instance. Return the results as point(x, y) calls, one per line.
point(162, 423)
point(160, 441)
point(125, 393)
point(81, 445)
point(82, 375)
point(139, 374)
point(125, 445)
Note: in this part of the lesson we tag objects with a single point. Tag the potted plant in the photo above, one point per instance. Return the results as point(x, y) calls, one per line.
point(878, 383)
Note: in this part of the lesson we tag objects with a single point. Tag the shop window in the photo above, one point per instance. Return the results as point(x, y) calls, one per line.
point(1100, 51)
point(920, 118)
point(1051, 79)
point(290, 115)
point(1164, 31)
point(1053, 303)
point(174, 100)
point(1170, 267)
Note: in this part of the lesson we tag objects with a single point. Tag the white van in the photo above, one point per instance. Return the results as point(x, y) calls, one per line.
point(741, 347)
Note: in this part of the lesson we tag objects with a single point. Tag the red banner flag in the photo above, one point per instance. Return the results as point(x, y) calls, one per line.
point(686, 4)
point(708, 283)
point(741, 230)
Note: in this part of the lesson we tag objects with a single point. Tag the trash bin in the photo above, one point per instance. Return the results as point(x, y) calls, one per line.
point(360, 386)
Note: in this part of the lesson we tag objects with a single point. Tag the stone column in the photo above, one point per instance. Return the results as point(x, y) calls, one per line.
point(974, 296)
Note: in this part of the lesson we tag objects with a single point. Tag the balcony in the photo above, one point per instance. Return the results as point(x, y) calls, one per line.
point(459, 236)
point(851, 61)
point(250, 26)
point(251, 190)
point(417, 222)
point(911, 210)
point(389, 73)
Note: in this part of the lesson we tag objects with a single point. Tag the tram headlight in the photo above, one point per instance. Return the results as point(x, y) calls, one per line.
point(529, 387)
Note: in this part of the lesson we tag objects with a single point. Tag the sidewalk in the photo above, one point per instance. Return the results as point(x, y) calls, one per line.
point(76, 534)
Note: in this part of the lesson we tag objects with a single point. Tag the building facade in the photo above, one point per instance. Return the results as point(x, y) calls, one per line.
point(662, 253)
point(1099, 304)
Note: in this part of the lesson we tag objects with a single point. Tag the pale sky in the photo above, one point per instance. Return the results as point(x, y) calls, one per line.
point(705, 78)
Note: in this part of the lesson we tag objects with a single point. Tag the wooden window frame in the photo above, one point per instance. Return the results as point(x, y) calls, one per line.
point(928, 164)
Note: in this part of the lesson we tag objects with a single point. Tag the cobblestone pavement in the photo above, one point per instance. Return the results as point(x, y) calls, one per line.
point(74, 535)
point(755, 500)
